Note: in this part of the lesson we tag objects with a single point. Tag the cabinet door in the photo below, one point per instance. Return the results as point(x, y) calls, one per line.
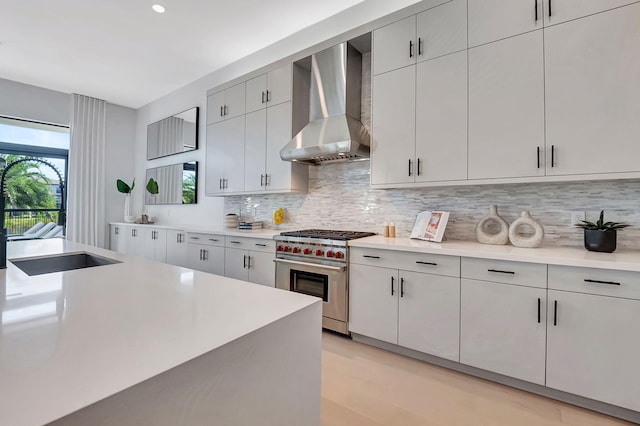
point(235, 101)
point(278, 135)
point(502, 329)
point(394, 46)
point(159, 237)
point(373, 302)
point(217, 135)
point(176, 248)
point(393, 127)
point(491, 20)
point(215, 107)
point(441, 118)
point(116, 241)
point(279, 85)
point(506, 108)
point(593, 92)
point(234, 155)
point(255, 148)
point(442, 30)
point(429, 314)
point(262, 268)
point(566, 10)
point(235, 264)
point(256, 96)
point(214, 259)
point(593, 348)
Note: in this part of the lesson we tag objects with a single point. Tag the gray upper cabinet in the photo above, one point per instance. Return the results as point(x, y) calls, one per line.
point(394, 46)
point(442, 30)
point(226, 104)
point(491, 20)
point(269, 89)
point(566, 10)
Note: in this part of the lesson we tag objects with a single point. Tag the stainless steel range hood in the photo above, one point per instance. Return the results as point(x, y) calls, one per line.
point(334, 132)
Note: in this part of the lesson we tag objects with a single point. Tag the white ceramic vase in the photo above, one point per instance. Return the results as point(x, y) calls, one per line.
point(526, 241)
point(501, 236)
point(128, 217)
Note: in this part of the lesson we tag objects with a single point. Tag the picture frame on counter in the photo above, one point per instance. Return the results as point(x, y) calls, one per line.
point(430, 226)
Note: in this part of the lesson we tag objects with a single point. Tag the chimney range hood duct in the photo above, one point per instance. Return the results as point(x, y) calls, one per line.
point(334, 132)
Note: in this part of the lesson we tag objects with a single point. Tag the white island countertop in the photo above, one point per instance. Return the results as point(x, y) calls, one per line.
point(72, 338)
point(621, 259)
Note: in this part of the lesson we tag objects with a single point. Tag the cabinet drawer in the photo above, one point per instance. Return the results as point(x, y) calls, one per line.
point(375, 257)
point(436, 264)
point(255, 244)
point(206, 239)
point(502, 271)
point(604, 282)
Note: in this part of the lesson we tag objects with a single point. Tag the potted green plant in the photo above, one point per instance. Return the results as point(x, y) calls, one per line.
point(601, 236)
point(152, 188)
point(125, 188)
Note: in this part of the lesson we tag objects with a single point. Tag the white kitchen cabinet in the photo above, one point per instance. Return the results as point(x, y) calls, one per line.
point(491, 20)
point(177, 248)
point(592, 92)
point(256, 150)
point(442, 30)
point(250, 259)
point(226, 104)
point(393, 123)
point(373, 302)
point(592, 347)
point(225, 156)
point(155, 244)
point(269, 89)
point(118, 238)
point(506, 108)
point(503, 329)
point(394, 46)
point(441, 119)
point(566, 10)
point(206, 258)
point(429, 314)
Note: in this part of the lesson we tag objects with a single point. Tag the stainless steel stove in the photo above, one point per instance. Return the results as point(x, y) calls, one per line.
point(315, 262)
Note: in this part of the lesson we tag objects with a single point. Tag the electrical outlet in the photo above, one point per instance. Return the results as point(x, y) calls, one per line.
point(577, 217)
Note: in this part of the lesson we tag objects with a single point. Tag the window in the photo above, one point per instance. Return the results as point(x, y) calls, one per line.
point(34, 192)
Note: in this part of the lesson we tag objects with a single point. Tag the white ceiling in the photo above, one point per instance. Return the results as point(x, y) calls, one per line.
point(123, 52)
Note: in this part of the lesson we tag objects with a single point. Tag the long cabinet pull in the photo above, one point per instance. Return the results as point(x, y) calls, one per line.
point(401, 287)
point(392, 291)
point(221, 110)
point(234, 242)
point(538, 155)
point(601, 282)
point(553, 156)
point(116, 231)
point(420, 262)
point(371, 257)
point(411, 48)
point(555, 313)
point(501, 272)
point(214, 239)
point(535, 7)
point(261, 245)
point(261, 181)
point(410, 164)
point(244, 261)
point(419, 163)
point(549, 8)
point(263, 96)
point(268, 95)
point(205, 254)
point(248, 262)
point(200, 254)
point(419, 46)
point(539, 303)
point(225, 110)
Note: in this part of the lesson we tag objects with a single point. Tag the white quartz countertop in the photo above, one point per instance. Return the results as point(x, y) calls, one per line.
point(72, 338)
point(218, 230)
point(621, 259)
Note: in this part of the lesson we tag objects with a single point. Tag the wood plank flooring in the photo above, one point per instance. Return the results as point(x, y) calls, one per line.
point(366, 386)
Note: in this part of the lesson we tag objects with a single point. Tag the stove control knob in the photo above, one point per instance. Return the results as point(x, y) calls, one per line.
point(286, 249)
point(306, 251)
point(295, 250)
point(339, 255)
point(279, 248)
point(330, 253)
point(319, 252)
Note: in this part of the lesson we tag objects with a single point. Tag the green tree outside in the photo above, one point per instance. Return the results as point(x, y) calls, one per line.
point(189, 188)
point(26, 187)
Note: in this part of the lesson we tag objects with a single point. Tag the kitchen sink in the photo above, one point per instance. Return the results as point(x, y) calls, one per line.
point(59, 263)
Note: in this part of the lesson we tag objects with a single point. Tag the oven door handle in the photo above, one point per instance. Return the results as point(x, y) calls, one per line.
point(313, 265)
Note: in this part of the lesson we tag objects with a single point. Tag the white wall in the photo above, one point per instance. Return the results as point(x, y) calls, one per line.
point(39, 104)
point(209, 210)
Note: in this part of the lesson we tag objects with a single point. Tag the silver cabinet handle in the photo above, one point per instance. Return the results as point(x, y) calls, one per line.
point(293, 262)
point(116, 230)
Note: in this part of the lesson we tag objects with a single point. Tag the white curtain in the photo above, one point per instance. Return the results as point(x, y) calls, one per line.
point(86, 191)
point(170, 184)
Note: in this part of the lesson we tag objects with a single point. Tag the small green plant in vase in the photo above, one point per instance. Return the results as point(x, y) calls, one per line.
point(152, 188)
point(125, 188)
point(601, 236)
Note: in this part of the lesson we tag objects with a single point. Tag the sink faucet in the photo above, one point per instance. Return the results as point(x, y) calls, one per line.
point(3, 233)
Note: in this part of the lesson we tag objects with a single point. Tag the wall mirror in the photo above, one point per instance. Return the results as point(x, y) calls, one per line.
point(173, 135)
point(177, 184)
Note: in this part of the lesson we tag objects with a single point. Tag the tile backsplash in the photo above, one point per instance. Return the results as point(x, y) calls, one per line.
point(340, 198)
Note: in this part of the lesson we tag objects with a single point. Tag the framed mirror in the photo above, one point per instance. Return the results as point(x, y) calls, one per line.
point(173, 135)
point(177, 184)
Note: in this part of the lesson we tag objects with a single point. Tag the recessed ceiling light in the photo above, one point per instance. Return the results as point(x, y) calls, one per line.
point(158, 8)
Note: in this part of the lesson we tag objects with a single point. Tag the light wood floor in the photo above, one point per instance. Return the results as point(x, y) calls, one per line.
point(363, 385)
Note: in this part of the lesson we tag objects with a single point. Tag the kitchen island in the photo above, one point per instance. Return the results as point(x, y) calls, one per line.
point(139, 342)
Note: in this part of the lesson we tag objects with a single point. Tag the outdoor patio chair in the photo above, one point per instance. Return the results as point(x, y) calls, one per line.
point(33, 229)
point(55, 232)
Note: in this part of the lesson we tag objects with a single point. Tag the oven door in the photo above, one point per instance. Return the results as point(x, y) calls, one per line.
point(329, 283)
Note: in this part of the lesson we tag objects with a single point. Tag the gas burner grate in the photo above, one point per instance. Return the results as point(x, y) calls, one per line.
point(327, 234)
